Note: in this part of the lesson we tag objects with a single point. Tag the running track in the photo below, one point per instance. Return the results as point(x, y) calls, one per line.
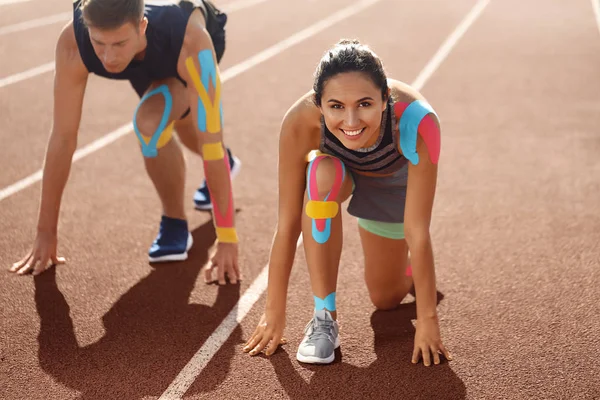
point(516, 227)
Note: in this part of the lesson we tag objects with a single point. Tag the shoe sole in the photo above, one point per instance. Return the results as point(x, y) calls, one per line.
point(317, 360)
point(175, 257)
point(237, 165)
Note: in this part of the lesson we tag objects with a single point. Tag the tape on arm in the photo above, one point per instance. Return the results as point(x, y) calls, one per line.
point(414, 119)
point(210, 119)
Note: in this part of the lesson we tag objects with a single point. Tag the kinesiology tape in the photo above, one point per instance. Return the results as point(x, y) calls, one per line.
point(414, 118)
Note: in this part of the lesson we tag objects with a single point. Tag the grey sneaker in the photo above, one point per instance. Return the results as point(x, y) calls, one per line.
point(320, 340)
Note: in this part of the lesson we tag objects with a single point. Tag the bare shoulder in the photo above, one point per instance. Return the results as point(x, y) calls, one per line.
point(67, 53)
point(196, 35)
point(301, 125)
point(403, 92)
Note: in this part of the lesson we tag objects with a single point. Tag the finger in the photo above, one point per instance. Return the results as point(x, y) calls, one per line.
point(41, 266)
point(416, 354)
point(254, 340)
point(426, 357)
point(275, 342)
point(445, 352)
point(208, 273)
point(259, 347)
point(58, 260)
point(232, 274)
point(19, 264)
point(236, 267)
point(28, 266)
point(436, 355)
point(221, 275)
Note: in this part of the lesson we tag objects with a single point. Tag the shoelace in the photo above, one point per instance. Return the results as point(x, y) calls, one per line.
point(321, 329)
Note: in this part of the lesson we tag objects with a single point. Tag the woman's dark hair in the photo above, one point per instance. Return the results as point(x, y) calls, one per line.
point(349, 56)
point(111, 14)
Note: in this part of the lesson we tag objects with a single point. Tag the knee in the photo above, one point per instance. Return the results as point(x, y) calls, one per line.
point(325, 175)
point(385, 300)
point(152, 120)
point(147, 121)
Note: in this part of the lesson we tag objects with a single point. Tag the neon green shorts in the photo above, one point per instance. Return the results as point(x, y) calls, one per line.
point(390, 230)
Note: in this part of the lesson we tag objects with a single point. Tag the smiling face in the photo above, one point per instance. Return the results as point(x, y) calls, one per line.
point(117, 47)
point(352, 106)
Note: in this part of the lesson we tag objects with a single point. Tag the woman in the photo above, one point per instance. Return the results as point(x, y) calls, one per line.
point(378, 141)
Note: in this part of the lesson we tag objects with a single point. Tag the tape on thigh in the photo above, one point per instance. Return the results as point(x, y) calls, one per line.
point(322, 211)
point(163, 133)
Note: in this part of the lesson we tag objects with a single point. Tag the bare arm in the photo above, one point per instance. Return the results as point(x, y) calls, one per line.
point(296, 140)
point(70, 81)
point(294, 145)
point(421, 187)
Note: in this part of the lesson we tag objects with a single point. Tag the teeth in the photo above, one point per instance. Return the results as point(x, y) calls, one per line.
point(352, 133)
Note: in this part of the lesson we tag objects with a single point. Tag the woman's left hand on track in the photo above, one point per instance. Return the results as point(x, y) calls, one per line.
point(428, 342)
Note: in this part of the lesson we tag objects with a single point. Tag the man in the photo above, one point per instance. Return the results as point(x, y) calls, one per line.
point(169, 52)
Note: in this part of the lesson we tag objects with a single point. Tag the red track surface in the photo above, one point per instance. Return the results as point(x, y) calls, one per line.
point(516, 222)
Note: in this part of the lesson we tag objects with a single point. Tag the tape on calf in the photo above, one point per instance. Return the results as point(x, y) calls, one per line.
point(415, 119)
point(163, 133)
point(326, 303)
point(210, 112)
point(322, 212)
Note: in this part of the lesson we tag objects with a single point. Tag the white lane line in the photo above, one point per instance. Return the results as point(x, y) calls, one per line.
point(35, 23)
point(240, 5)
point(21, 76)
point(30, 73)
point(7, 2)
point(200, 360)
point(225, 76)
point(450, 42)
point(596, 7)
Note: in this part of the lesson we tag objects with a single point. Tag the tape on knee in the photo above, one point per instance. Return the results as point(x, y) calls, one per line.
point(322, 212)
point(326, 303)
point(415, 119)
point(164, 132)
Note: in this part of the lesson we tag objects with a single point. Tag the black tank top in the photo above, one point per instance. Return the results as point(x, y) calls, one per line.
point(166, 30)
point(381, 159)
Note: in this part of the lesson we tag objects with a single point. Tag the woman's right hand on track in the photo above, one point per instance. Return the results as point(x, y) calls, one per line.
point(36, 261)
point(268, 335)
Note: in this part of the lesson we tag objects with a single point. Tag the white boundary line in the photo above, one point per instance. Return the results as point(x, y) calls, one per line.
point(30, 73)
point(7, 2)
point(21, 76)
point(35, 23)
point(596, 7)
point(200, 360)
point(447, 46)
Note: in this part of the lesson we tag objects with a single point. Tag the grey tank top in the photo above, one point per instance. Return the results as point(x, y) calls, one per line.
point(380, 173)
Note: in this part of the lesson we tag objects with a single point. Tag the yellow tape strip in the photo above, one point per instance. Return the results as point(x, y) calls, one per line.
point(213, 109)
point(213, 151)
point(227, 235)
point(164, 138)
point(322, 209)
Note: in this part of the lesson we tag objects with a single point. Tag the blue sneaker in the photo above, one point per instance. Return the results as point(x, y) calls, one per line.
point(202, 195)
point(173, 241)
